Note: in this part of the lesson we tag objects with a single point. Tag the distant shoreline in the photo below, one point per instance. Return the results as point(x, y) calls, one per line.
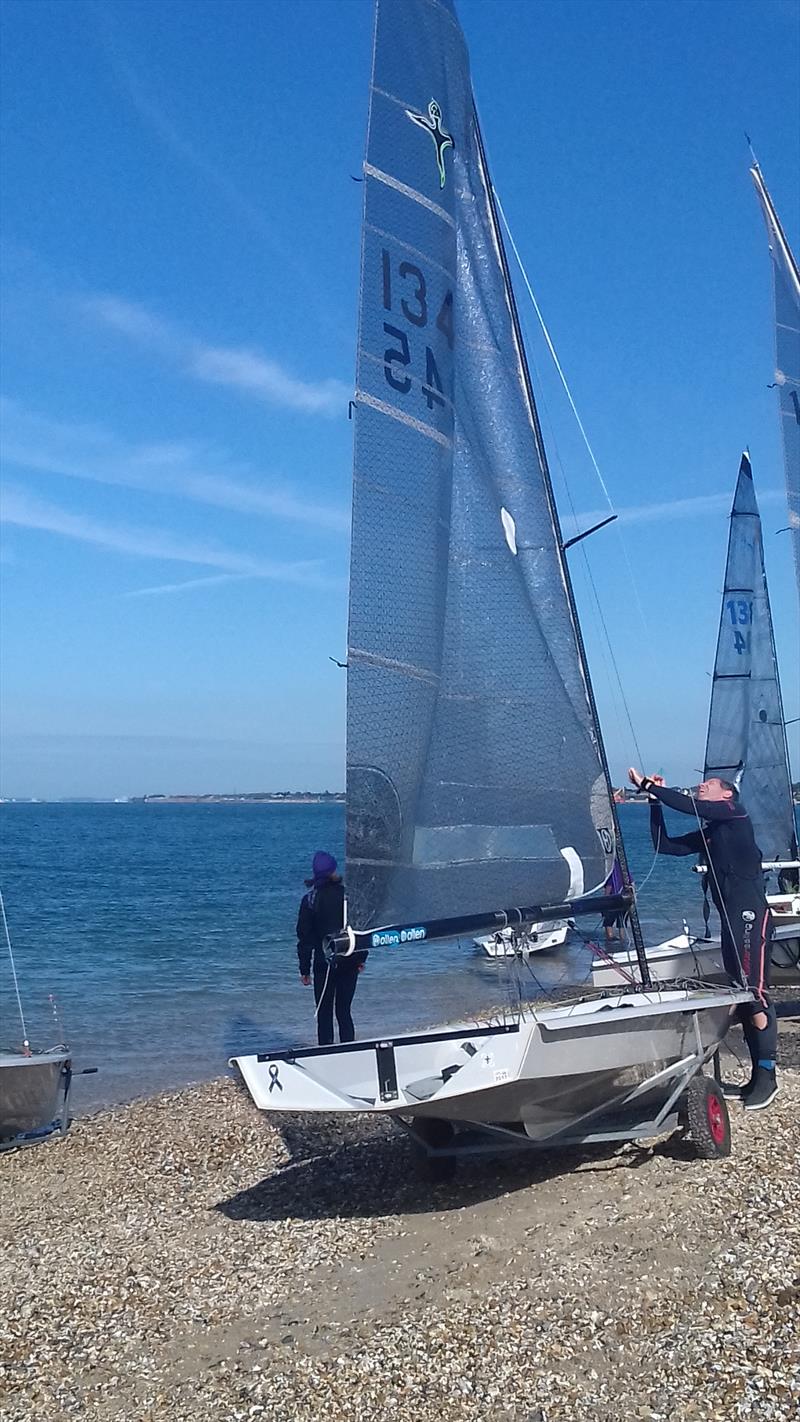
point(321, 797)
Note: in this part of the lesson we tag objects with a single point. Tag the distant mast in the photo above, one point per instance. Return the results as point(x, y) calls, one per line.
point(786, 288)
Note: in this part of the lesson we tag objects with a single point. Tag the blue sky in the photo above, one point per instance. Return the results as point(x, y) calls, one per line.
point(180, 268)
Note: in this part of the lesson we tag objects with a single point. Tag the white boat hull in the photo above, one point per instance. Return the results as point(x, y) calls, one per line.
point(678, 959)
point(509, 943)
point(786, 934)
point(541, 1076)
point(32, 1093)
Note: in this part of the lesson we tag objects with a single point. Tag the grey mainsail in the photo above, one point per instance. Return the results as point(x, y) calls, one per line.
point(786, 287)
point(746, 728)
point(475, 770)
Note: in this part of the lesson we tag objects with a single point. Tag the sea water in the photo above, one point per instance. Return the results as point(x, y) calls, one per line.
point(165, 935)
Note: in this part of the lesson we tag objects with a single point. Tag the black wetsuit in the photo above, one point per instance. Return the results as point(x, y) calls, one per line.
point(735, 880)
point(321, 915)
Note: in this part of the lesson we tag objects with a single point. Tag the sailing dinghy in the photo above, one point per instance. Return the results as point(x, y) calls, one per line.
point(34, 1086)
point(536, 938)
point(747, 740)
point(786, 293)
point(478, 793)
point(746, 744)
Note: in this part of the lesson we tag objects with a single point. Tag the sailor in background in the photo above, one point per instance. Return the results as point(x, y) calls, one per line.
point(321, 916)
point(724, 837)
point(611, 921)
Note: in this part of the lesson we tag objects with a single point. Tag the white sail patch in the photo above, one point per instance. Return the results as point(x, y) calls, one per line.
point(509, 529)
point(575, 865)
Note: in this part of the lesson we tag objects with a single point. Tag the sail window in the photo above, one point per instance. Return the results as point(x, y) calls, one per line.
point(509, 529)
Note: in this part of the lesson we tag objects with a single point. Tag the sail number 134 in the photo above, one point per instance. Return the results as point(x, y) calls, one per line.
point(405, 291)
point(741, 615)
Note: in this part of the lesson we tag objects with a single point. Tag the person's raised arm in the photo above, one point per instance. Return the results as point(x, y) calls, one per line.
point(676, 845)
point(687, 805)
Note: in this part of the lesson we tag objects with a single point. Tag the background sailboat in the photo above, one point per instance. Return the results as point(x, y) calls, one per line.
point(747, 740)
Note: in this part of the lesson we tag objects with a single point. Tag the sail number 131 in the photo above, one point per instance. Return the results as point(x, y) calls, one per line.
point(405, 291)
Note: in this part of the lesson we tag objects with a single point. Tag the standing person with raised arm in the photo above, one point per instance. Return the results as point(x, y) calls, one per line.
point(724, 837)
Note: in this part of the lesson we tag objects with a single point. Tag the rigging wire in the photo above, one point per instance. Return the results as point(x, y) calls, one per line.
point(604, 641)
point(551, 348)
point(26, 1046)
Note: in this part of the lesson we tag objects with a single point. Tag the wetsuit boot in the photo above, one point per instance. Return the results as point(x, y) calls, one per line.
point(763, 1089)
point(764, 1086)
point(738, 1091)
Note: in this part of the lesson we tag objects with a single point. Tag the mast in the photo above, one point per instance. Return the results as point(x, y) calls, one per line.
point(644, 967)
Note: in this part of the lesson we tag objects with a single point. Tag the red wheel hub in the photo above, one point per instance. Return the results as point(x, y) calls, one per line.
point(716, 1119)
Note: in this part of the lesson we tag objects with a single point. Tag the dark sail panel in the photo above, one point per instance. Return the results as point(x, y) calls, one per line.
point(786, 281)
point(474, 776)
point(746, 730)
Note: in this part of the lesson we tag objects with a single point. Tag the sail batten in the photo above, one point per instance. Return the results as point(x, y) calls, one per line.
point(473, 756)
point(746, 729)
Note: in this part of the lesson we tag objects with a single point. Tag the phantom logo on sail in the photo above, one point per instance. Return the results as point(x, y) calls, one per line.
point(432, 124)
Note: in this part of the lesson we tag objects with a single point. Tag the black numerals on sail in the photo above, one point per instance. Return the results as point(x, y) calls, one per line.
point(394, 357)
point(405, 291)
point(432, 389)
point(444, 321)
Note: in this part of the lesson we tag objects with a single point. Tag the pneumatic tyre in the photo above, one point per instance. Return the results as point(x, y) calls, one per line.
point(708, 1119)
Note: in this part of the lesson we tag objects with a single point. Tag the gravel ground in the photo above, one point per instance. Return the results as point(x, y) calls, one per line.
point(178, 1259)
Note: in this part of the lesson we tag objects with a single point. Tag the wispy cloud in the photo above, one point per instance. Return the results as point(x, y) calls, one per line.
point(240, 368)
point(188, 585)
point(248, 371)
point(671, 510)
point(179, 468)
point(26, 510)
point(191, 152)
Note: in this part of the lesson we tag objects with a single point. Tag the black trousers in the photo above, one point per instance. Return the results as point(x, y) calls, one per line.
point(333, 992)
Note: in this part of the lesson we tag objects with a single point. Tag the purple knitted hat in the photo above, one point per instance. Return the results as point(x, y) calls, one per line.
point(322, 866)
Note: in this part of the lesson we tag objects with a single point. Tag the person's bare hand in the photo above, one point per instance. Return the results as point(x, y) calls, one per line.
point(635, 777)
point(305, 980)
point(657, 779)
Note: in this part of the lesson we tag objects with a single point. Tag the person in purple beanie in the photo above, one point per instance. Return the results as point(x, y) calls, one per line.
point(335, 978)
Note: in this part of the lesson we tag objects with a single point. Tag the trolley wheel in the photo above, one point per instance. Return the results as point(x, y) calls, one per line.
point(434, 1134)
point(707, 1117)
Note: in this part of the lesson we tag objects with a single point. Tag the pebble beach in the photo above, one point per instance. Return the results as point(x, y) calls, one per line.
point(178, 1259)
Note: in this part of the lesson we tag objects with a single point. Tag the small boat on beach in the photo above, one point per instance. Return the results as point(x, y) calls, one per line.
point(469, 691)
point(34, 1085)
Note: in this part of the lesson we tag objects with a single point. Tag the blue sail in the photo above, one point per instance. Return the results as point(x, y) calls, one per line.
point(474, 767)
point(746, 729)
point(786, 287)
